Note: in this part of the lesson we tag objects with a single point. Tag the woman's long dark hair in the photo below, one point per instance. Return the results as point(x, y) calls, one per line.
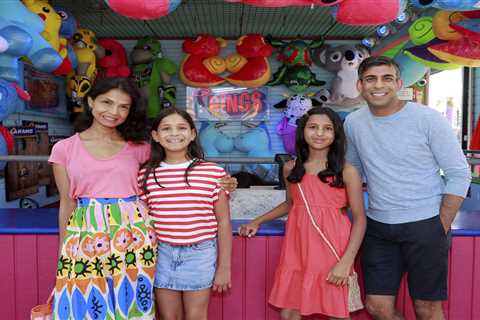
point(134, 127)
point(336, 152)
point(194, 150)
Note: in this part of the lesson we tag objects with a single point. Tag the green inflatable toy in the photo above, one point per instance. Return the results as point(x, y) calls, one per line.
point(152, 74)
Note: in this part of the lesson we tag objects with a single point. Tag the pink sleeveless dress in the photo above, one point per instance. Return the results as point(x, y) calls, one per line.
point(305, 260)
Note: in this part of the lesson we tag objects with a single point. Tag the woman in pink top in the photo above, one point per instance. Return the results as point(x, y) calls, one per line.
point(107, 256)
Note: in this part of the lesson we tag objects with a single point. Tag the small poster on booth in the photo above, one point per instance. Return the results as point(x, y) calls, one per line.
point(228, 104)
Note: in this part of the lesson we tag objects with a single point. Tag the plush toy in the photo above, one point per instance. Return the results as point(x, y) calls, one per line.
point(115, 62)
point(250, 65)
point(367, 12)
point(342, 60)
point(143, 9)
point(465, 52)
point(452, 5)
point(201, 63)
point(295, 72)
point(23, 29)
point(213, 141)
point(296, 52)
point(296, 78)
point(152, 73)
point(294, 108)
point(52, 22)
point(287, 3)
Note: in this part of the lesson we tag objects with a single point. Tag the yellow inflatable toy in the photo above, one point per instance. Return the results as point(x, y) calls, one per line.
point(53, 22)
point(441, 24)
point(80, 81)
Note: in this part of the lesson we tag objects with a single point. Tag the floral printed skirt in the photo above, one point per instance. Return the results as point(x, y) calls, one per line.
point(107, 262)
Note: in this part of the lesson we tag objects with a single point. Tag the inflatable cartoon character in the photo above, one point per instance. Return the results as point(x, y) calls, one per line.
point(152, 73)
point(22, 28)
point(213, 141)
point(250, 65)
point(115, 62)
point(51, 33)
point(67, 30)
point(80, 81)
point(201, 65)
point(342, 60)
point(8, 103)
point(294, 108)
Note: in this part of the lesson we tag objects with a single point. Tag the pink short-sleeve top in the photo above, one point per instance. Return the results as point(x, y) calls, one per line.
point(115, 177)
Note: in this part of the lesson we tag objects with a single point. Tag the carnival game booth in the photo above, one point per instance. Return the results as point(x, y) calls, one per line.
point(246, 71)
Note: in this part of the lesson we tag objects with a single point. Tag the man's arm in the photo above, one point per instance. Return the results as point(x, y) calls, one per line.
point(450, 158)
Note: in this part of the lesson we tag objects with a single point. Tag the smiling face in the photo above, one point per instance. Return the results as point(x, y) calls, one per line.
point(110, 109)
point(319, 132)
point(379, 85)
point(174, 133)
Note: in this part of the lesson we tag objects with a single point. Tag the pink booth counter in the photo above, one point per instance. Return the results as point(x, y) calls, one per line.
point(29, 242)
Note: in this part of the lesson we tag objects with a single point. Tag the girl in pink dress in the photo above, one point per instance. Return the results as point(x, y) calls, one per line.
point(309, 279)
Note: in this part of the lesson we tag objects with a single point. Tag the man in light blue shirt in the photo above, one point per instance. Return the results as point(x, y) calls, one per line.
point(400, 148)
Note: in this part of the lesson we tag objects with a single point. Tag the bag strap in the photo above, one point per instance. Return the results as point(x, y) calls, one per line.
point(314, 223)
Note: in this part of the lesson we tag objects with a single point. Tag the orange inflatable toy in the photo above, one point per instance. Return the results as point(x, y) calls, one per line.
point(250, 64)
point(201, 65)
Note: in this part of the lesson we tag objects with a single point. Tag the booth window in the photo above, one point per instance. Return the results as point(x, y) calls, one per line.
point(445, 94)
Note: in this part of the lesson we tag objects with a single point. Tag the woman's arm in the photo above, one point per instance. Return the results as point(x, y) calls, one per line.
point(250, 229)
point(67, 204)
point(223, 281)
point(353, 184)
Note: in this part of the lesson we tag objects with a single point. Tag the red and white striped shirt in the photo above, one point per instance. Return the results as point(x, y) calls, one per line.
point(183, 214)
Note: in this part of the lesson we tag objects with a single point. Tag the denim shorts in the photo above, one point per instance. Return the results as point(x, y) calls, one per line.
point(186, 267)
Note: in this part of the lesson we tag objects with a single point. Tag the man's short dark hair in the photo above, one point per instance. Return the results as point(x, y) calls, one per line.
point(375, 62)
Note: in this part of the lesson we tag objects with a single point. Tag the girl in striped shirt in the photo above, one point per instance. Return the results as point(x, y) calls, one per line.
point(191, 217)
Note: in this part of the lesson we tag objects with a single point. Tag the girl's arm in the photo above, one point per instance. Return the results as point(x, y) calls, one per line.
point(223, 281)
point(251, 228)
point(67, 204)
point(353, 184)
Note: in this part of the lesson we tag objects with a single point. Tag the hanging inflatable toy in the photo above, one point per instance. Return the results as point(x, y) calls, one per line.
point(23, 29)
point(152, 73)
point(410, 71)
point(115, 62)
point(79, 82)
point(294, 108)
point(367, 12)
point(343, 61)
point(442, 21)
point(51, 32)
point(451, 5)
point(421, 33)
point(201, 65)
point(287, 3)
point(143, 9)
point(250, 65)
point(465, 52)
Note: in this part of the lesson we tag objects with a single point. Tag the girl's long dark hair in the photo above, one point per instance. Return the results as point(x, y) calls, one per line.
point(134, 128)
point(336, 152)
point(194, 150)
